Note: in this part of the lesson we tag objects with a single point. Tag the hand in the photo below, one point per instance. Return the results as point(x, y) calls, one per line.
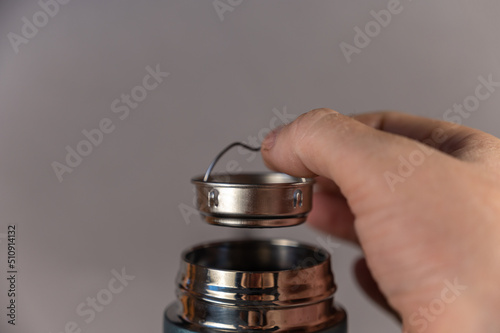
point(422, 199)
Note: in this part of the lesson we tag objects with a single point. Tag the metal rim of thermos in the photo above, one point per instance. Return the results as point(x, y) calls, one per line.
point(251, 285)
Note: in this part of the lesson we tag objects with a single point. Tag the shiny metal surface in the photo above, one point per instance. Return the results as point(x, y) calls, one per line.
point(255, 286)
point(254, 199)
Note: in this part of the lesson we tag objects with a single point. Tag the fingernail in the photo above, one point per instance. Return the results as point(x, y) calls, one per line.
point(270, 139)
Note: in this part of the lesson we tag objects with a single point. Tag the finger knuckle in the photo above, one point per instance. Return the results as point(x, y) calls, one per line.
point(306, 125)
point(479, 143)
point(306, 121)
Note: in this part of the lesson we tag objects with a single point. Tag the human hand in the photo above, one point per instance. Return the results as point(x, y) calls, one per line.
point(426, 215)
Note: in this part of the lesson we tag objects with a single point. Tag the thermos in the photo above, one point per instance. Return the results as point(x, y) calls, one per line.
point(254, 285)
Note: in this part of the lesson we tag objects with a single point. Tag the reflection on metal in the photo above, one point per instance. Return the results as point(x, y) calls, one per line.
point(255, 286)
point(254, 200)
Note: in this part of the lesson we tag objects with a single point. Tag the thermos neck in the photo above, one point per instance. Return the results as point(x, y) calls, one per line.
point(256, 285)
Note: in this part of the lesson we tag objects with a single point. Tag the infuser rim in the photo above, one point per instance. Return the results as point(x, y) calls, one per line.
point(252, 179)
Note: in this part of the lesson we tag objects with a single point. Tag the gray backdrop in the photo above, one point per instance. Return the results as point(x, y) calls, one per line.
point(233, 66)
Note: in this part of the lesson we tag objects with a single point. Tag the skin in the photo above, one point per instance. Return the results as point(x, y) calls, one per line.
point(435, 225)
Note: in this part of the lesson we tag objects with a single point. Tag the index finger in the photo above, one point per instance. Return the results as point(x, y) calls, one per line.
point(326, 143)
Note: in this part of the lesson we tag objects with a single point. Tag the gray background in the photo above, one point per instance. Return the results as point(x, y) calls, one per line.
point(121, 206)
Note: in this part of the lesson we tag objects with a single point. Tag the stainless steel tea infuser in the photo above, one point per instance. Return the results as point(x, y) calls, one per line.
point(252, 200)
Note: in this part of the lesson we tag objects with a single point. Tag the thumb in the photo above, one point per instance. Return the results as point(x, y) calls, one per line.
point(357, 157)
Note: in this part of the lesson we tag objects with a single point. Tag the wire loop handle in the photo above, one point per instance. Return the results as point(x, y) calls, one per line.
point(217, 158)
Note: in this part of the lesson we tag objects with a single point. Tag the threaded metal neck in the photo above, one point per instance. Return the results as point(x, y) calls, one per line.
point(256, 285)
